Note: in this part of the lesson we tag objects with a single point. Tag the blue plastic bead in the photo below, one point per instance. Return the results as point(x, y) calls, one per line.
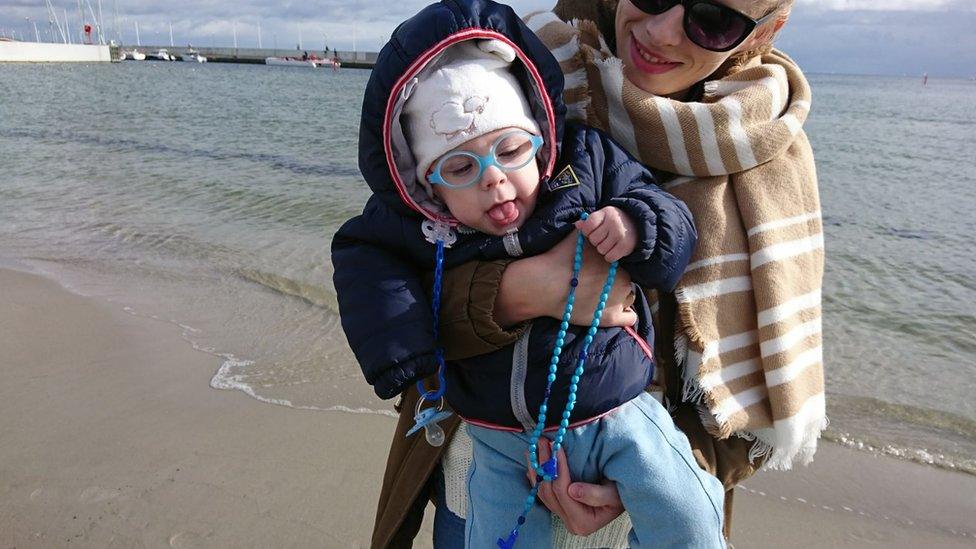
point(575, 379)
point(552, 377)
point(584, 216)
point(564, 326)
point(565, 414)
point(564, 423)
point(543, 409)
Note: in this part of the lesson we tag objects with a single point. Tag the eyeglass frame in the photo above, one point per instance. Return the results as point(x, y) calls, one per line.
point(751, 24)
point(484, 162)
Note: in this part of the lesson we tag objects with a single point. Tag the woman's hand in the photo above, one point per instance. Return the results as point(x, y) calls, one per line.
point(537, 286)
point(583, 507)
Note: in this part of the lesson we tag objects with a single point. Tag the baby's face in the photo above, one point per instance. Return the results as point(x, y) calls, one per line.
point(500, 201)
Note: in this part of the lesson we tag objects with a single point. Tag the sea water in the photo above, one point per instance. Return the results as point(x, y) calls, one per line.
point(207, 196)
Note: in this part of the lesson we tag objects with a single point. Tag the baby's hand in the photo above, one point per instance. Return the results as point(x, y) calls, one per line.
point(611, 232)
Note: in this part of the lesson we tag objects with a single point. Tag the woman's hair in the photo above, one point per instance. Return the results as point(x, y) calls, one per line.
point(738, 61)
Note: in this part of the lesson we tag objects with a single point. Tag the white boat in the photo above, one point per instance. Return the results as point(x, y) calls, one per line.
point(290, 62)
point(333, 64)
point(160, 55)
point(193, 56)
point(135, 55)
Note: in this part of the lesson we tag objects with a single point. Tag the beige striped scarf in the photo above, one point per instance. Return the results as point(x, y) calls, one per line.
point(749, 333)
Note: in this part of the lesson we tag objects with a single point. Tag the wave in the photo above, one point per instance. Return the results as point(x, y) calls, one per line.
point(345, 168)
point(320, 296)
point(923, 435)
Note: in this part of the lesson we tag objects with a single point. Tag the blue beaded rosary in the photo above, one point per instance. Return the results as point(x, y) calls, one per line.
point(546, 472)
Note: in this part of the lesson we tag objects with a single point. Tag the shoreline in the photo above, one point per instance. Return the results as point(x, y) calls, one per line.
point(113, 437)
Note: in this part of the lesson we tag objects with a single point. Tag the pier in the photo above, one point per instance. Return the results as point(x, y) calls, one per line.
point(349, 59)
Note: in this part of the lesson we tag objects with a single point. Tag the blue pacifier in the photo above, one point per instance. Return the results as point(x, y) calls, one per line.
point(428, 420)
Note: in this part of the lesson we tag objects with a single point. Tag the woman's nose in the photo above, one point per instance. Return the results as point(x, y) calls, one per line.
point(666, 29)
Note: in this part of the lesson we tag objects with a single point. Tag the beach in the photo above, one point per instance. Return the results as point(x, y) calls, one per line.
point(113, 437)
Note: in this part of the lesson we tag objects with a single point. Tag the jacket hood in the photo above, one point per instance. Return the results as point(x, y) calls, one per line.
point(385, 159)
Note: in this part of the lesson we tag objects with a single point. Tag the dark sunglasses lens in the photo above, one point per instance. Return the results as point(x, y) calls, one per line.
point(715, 27)
point(654, 7)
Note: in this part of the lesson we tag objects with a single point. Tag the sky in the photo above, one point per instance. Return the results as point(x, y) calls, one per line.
point(909, 37)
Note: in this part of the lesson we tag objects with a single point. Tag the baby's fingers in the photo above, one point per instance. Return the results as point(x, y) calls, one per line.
point(591, 223)
point(618, 252)
point(607, 244)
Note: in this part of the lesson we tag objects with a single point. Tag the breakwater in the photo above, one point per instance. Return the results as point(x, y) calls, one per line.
point(349, 59)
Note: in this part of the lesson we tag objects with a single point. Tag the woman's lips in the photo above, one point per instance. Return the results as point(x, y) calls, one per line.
point(647, 61)
point(504, 214)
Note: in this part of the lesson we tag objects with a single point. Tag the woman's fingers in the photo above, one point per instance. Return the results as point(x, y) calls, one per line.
point(545, 493)
point(580, 518)
point(596, 495)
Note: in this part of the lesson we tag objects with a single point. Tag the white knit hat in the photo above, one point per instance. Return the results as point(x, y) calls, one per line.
point(468, 92)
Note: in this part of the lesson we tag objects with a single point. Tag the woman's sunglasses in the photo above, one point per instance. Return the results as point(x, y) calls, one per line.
point(707, 23)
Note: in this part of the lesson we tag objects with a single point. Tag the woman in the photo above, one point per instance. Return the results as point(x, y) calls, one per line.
point(694, 91)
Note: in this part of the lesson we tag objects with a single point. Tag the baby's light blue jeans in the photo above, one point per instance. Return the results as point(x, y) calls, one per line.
point(672, 502)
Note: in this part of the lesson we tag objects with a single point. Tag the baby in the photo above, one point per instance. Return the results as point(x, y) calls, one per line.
point(471, 152)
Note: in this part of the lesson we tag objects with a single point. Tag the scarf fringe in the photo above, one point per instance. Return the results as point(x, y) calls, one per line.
point(779, 457)
point(692, 391)
point(760, 448)
point(783, 458)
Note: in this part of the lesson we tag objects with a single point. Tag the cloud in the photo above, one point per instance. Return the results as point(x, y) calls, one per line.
point(889, 5)
point(866, 36)
point(873, 42)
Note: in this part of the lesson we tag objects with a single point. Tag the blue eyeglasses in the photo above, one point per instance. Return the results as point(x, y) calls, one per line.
point(511, 151)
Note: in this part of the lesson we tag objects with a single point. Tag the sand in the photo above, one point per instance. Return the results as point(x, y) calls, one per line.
point(110, 436)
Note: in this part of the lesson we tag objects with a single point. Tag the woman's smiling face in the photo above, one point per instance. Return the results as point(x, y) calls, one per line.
point(659, 58)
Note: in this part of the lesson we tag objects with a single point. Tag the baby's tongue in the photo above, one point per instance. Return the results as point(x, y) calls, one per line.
point(502, 212)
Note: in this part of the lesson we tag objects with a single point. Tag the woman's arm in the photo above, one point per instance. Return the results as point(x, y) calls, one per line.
point(537, 286)
point(487, 303)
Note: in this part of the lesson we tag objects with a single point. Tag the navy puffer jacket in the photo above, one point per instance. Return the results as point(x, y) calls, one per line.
point(380, 257)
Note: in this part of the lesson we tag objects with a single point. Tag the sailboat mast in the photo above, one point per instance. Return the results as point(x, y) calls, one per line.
point(101, 34)
point(81, 28)
point(67, 28)
point(54, 21)
point(171, 35)
point(118, 30)
point(259, 34)
point(138, 42)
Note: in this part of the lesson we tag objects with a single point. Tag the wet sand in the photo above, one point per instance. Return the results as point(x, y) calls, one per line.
point(112, 437)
